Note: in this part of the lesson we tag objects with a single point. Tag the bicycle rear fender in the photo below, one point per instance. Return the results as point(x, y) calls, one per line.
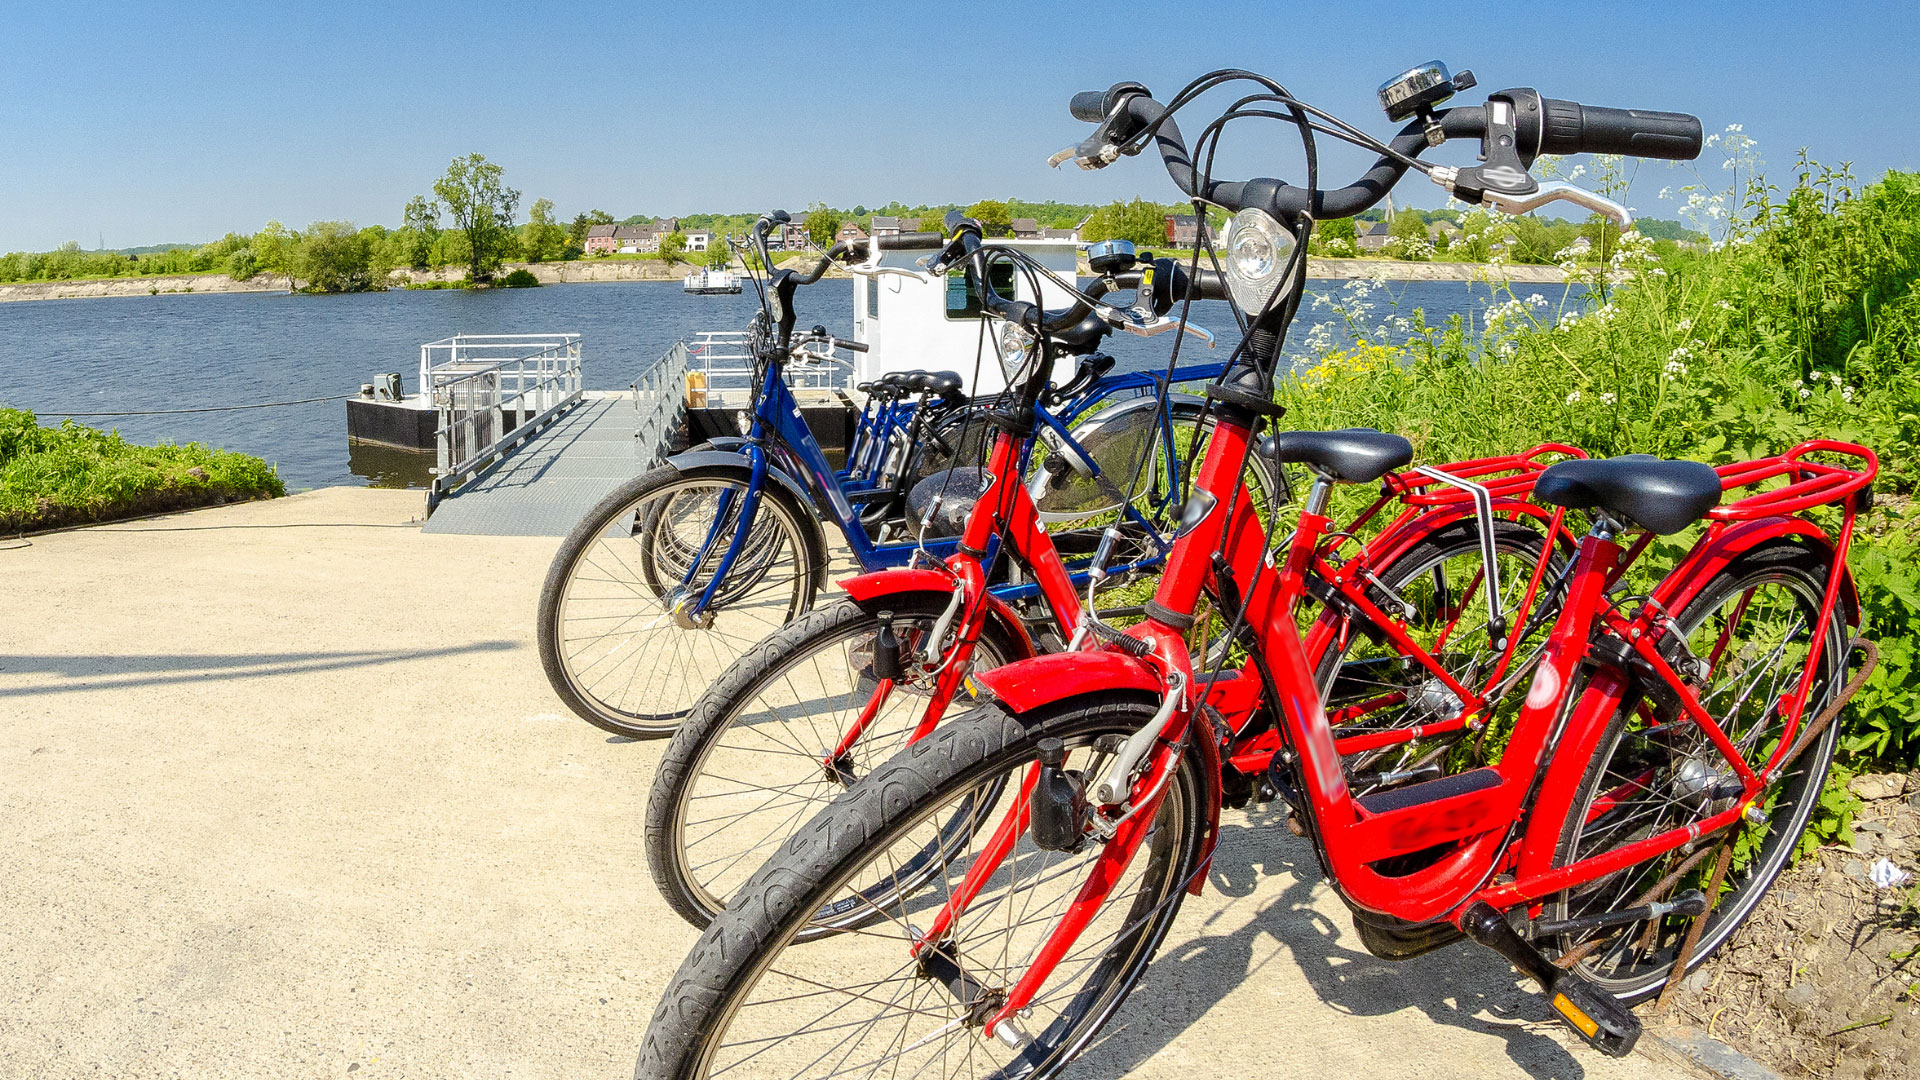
point(874, 591)
point(734, 463)
point(1686, 582)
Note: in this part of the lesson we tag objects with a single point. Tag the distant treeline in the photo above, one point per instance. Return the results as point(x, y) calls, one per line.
point(327, 256)
point(337, 256)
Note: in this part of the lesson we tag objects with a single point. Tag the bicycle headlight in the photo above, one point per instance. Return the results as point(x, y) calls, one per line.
point(1257, 251)
point(1015, 349)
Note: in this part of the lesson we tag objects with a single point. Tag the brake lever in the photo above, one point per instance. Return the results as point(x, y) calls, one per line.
point(1560, 191)
point(1156, 327)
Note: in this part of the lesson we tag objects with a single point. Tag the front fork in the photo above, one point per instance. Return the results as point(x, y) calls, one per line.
point(1159, 744)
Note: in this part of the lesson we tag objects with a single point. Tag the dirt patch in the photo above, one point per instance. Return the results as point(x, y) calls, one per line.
point(1824, 979)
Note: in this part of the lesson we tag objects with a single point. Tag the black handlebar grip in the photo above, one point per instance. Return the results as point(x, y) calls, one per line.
point(1089, 106)
point(1568, 127)
point(1207, 285)
point(915, 241)
point(850, 346)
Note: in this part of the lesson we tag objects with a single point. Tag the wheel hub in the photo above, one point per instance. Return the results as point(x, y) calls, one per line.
point(680, 604)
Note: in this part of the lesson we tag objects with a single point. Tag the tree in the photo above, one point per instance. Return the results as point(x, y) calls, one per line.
point(823, 224)
point(583, 223)
point(995, 217)
point(422, 219)
point(1407, 224)
point(1336, 229)
point(671, 245)
point(334, 257)
point(719, 253)
point(275, 250)
point(482, 206)
point(859, 211)
point(542, 238)
point(1140, 221)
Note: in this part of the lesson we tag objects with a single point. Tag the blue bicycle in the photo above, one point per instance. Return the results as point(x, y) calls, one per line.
point(682, 570)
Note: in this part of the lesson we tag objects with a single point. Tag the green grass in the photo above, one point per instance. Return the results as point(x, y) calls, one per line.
point(75, 474)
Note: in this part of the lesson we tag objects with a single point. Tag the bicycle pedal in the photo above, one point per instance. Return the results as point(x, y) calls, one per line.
point(1595, 1015)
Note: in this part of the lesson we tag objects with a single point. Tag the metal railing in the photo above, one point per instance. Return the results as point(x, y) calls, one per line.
point(720, 371)
point(658, 396)
point(491, 391)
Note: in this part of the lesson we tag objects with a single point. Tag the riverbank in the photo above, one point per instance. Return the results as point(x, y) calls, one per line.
point(598, 270)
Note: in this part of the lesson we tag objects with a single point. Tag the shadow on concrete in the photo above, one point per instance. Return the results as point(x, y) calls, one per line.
point(1460, 986)
point(126, 671)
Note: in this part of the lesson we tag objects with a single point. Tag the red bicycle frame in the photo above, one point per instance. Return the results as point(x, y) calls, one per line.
point(1007, 509)
point(1479, 811)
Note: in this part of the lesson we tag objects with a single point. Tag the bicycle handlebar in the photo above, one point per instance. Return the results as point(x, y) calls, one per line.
point(1171, 284)
point(1539, 125)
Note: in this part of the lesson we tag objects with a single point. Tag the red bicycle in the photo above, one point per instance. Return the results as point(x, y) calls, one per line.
point(1629, 812)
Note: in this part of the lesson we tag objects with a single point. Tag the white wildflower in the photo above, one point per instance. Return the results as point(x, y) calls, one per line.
point(1567, 321)
point(1805, 393)
point(1723, 305)
point(1608, 399)
point(1675, 369)
point(1536, 300)
point(1685, 325)
point(1573, 398)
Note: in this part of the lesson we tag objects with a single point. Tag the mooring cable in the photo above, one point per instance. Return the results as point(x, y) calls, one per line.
point(210, 409)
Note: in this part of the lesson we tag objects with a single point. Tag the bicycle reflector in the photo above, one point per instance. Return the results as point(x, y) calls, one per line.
point(1257, 250)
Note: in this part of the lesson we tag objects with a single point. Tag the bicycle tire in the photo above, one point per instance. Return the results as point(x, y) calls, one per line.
point(633, 513)
point(1781, 561)
point(689, 769)
point(713, 987)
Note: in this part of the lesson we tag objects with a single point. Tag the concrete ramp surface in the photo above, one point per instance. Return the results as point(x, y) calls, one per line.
point(279, 802)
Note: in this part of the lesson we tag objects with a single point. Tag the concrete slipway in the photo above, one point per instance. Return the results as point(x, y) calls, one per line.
point(284, 793)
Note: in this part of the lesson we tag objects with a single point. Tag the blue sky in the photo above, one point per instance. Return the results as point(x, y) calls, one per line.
point(148, 123)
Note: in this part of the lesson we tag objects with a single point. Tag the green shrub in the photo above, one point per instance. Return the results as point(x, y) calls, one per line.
point(520, 279)
point(74, 474)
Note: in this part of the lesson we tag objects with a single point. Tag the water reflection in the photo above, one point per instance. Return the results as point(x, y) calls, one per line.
point(389, 466)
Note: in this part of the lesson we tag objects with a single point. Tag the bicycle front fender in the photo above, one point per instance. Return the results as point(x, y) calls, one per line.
point(872, 592)
point(729, 443)
point(1042, 681)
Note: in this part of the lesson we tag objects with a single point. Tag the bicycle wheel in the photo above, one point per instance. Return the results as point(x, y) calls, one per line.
point(1370, 685)
point(616, 640)
point(1652, 772)
point(762, 750)
point(745, 1002)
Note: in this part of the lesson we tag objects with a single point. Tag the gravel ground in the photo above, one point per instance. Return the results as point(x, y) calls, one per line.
point(286, 795)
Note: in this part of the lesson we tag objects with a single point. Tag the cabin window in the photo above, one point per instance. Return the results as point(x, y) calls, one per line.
point(873, 296)
point(964, 302)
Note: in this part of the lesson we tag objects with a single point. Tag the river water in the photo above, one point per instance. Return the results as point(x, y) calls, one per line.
point(182, 352)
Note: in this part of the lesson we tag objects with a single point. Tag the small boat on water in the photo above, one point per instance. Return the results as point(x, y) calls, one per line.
point(712, 282)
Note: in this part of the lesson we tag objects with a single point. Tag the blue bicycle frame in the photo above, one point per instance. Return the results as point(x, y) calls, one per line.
point(779, 428)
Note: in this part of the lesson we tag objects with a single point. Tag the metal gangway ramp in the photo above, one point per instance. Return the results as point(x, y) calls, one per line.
point(523, 450)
